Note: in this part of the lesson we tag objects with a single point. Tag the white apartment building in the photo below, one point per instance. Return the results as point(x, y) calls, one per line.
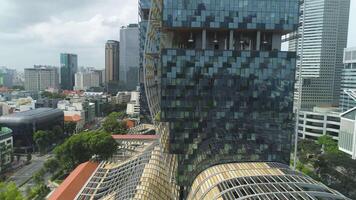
point(133, 107)
point(86, 80)
point(319, 122)
point(348, 80)
point(41, 78)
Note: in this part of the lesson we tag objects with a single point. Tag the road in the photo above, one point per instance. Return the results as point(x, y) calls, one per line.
point(25, 173)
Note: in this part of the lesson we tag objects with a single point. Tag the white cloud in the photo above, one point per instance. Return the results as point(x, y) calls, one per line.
point(59, 33)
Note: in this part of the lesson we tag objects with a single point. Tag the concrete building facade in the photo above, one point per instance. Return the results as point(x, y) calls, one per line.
point(325, 28)
point(319, 122)
point(112, 60)
point(86, 80)
point(41, 78)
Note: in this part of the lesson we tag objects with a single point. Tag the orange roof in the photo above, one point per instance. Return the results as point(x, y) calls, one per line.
point(76, 180)
point(72, 118)
point(130, 124)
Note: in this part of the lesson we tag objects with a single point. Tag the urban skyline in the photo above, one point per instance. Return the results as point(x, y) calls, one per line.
point(39, 40)
point(193, 99)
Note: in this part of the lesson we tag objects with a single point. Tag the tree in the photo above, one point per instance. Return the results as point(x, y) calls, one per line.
point(113, 125)
point(9, 191)
point(82, 147)
point(329, 144)
point(69, 127)
point(42, 139)
point(58, 133)
point(53, 95)
point(51, 165)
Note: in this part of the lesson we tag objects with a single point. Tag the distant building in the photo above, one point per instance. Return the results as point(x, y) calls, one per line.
point(347, 136)
point(123, 97)
point(112, 60)
point(24, 124)
point(47, 103)
point(86, 80)
point(348, 80)
point(69, 66)
point(7, 76)
point(129, 50)
point(41, 78)
point(133, 107)
point(101, 74)
point(6, 148)
point(325, 37)
point(319, 122)
point(132, 78)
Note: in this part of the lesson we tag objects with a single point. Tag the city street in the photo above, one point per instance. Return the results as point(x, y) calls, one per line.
point(24, 173)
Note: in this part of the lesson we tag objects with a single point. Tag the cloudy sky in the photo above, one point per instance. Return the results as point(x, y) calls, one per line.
point(37, 31)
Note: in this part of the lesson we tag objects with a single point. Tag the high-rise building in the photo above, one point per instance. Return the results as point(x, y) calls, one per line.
point(348, 80)
point(144, 10)
point(347, 137)
point(129, 50)
point(69, 66)
point(101, 74)
point(323, 30)
point(132, 78)
point(41, 78)
point(86, 80)
point(219, 84)
point(112, 60)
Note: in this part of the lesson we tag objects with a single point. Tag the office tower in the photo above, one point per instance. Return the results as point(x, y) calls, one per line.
point(41, 78)
point(6, 77)
point(132, 78)
point(69, 66)
point(101, 74)
point(348, 80)
point(86, 80)
point(112, 60)
point(325, 27)
point(129, 50)
point(144, 10)
point(218, 82)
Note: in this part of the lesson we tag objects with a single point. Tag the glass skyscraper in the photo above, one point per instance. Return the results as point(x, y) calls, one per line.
point(219, 83)
point(69, 66)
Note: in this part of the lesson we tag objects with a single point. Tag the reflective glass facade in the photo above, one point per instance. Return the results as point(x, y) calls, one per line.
point(217, 83)
point(227, 106)
point(281, 15)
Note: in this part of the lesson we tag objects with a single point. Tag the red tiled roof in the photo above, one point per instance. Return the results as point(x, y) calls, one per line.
point(72, 185)
point(135, 137)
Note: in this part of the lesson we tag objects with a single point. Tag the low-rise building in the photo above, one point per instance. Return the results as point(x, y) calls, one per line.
point(321, 121)
point(133, 107)
point(24, 124)
point(347, 136)
point(123, 97)
point(6, 147)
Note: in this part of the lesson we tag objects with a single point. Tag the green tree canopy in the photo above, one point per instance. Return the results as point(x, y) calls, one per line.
point(69, 127)
point(9, 191)
point(81, 147)
point(329, 144)
point(42, 139)
point(113, 123)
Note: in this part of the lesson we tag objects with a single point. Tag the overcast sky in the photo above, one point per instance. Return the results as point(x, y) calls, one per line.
point(37, 31)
